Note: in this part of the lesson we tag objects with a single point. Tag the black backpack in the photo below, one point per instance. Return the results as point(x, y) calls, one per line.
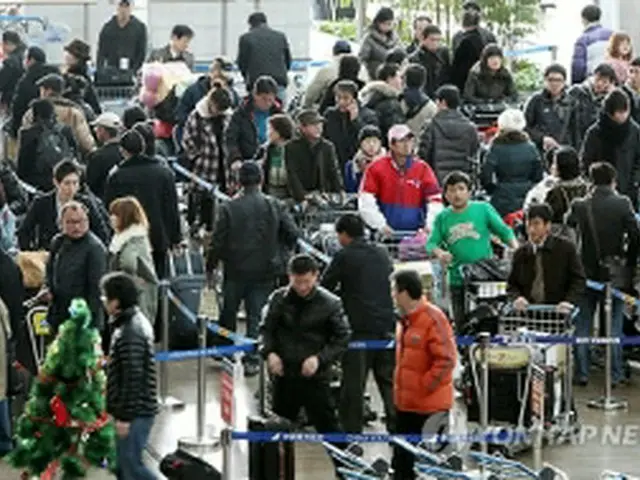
point(53, 146)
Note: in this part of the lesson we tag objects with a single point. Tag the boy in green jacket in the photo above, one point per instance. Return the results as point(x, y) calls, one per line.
point(462, 235)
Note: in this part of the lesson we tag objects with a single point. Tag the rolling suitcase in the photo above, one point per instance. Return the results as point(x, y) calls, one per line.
point(187, 277)
point(271, 461)
point(181, 465)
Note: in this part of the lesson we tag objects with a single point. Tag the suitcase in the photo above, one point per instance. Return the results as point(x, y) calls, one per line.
point(187, 277)
point(181, 465)
point(271, 461)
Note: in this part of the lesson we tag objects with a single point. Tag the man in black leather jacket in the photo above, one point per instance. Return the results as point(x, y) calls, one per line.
point(131, 374)
point(250, 237)
point(304, 330)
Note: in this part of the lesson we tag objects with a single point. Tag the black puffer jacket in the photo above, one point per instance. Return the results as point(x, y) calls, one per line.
point(296, 328)
point(549, 117)
point(241, 137)
point(343, 132)
point(483, 86)
point(249, 235)
point(131, 372)
point(438, 67)
point(465, 55)
point(264, 51)
point(383, 99)
point(619, 145)
point(448, 143)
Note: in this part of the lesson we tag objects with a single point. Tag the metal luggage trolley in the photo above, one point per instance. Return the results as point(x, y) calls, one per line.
point(522, 371)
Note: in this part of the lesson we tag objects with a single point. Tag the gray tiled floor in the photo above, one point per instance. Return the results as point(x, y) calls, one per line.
point(582, 462)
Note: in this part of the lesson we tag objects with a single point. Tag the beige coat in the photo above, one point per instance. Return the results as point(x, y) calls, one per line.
point(70, 114)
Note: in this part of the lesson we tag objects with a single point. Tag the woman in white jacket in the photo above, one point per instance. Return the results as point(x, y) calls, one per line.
point(130, 250)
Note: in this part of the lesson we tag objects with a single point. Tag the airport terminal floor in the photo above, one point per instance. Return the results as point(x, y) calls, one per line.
point(581, 462)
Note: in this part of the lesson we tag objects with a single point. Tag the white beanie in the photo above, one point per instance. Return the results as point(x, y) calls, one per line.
point(512, 120)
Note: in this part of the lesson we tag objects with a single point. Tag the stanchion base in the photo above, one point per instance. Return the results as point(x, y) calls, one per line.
point(608, 404)
point(199, 445)
point(170, 403)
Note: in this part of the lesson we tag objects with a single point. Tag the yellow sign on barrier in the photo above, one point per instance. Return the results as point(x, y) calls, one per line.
point(40, 325)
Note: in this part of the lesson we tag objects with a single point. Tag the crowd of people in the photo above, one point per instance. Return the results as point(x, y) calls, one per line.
point(386, 125)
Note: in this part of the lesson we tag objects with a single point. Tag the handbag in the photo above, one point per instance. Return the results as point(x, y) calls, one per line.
point(612, 269)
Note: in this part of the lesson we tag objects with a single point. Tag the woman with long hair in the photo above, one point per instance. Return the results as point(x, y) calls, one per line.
point(379, 40)
point(489, 80)
point(348, 69)
point(130, 250)
point(620, 54)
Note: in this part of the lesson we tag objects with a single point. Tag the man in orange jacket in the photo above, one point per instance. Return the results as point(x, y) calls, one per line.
point(425, 360)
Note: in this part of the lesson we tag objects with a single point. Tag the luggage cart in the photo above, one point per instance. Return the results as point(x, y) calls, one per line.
point(503, 469)
point(511, 377)
point(355, 466)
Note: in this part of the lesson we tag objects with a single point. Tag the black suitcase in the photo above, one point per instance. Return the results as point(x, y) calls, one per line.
point(181, 465)
point(271, 461)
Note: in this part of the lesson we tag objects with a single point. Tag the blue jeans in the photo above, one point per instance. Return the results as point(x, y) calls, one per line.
point(130, 448)
point(584, 322)
point(255, 296)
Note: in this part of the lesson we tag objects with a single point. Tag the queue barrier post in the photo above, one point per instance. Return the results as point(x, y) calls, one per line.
point(166, 401)
point(200, 443)
point(484, 340)
point(607, 402)
point(227, 454)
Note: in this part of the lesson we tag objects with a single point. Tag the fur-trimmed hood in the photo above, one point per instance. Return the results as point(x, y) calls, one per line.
point(377, 88)
point(119, 240)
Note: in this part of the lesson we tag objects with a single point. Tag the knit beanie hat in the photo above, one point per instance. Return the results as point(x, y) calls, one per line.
point(369, 131)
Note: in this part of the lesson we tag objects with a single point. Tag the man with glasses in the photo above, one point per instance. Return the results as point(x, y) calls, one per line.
point(550, 112)
point(77, 262)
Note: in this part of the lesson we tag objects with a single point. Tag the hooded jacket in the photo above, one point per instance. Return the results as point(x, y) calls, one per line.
point(619, 145)
point(483, 86)
point(203, 143)
point(425, 360)
point(374, 49)
point(383, 99)
point(71, 115)
point(511, 169)
point(448, 143)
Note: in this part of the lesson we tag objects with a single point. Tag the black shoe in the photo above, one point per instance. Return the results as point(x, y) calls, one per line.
point(251, 370)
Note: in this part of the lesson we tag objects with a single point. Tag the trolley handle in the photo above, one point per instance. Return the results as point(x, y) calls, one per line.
point(417, 452)
point(500, 462)
point(440, 473)
point(540, 308)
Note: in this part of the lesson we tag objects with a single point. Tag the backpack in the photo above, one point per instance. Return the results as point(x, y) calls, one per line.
point(53, 146)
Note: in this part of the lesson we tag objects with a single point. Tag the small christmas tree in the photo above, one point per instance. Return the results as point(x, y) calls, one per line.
point(64, 428)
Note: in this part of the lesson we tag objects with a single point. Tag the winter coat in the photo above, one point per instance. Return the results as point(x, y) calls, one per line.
point(564, 279)
point(74, 270)
point(203, 143)
point(131, 369)
point(165, 55)
point(486, 35)
point(41, 224)
point(32, 169)
point(354, 169)
point(264, 51)
point(250, 233)
point(295, 328)
point(615, 225)
point(241, 136)
point(312, 168)
point(130, 252)
point(26, 91)
point(549, 117)
point(115, 43)
point(589, 51)
point(134, 177)
point(448, 143)
point(619, 145)
point(511, 169)
point(425, 360)
point(483, 86)
point(562, 194)
point(465, 56)
point(329, 97)
point(89, 94)
point(10, 73)
point(319, 85)
point(343, 132)
point(438, 67)
point(587, 106)
point(634, 101)
point(418, 110)
point(383, 99)
point(100, 163)
point(374, 49)
point(71, 115)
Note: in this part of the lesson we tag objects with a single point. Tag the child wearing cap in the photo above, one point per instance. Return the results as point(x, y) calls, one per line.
point(370, 141)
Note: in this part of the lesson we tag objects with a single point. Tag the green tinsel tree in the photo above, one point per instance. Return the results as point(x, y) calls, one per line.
point(64, 429)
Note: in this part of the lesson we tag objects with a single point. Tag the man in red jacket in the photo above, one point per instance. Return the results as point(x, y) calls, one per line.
point(425, 360)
